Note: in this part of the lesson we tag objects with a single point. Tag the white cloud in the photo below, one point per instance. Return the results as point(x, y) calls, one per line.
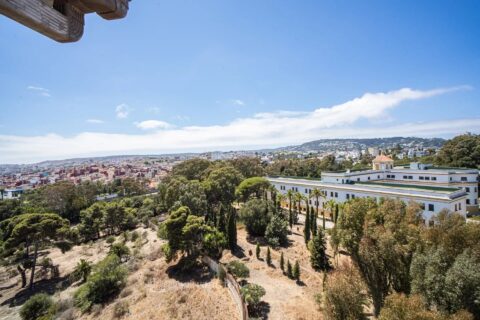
point(95, 121)
point(153, 124)
point(238, 102)
point(261, 130)
point(122, 110)
point(41, 91)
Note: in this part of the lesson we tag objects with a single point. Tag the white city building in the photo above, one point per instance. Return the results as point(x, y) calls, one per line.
point(434, 188)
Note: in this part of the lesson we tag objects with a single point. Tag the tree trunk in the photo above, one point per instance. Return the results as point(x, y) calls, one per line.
point(32, 275)
point(23, 275)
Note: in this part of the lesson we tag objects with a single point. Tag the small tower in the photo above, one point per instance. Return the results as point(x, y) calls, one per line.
point(382, 162)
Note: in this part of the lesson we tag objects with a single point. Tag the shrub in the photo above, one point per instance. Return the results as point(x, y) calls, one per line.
point(238, 269)
point(106, 282)
point(134, 236)
point(120, 250)
point(296, 271)
point(252, 294)
point(110, 239)
point(82, 270)
point(345, 295)
point(256, 215)
point(277, 231)
point(221, 274)
point(120, 309)
point(39, 306)
point(257, 251)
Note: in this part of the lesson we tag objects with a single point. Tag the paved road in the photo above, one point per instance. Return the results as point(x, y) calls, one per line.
point(328, 224)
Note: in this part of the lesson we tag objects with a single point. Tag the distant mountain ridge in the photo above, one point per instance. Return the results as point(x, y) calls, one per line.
point(349, 144)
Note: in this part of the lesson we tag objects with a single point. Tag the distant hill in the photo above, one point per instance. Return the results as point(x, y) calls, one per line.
point(350, 144)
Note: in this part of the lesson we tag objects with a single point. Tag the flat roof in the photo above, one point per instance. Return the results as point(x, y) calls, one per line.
point(409, 186)
point(393, 189)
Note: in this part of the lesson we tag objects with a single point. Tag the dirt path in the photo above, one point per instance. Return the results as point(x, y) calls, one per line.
point(284, 297)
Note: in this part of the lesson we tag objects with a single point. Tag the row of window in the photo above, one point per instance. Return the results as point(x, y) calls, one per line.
point(474, 201)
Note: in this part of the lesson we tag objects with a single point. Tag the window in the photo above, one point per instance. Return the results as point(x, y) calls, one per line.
point(421, 178)
point(378, 177)
point(468, 201)
point(431, 207)
point(393, 176)
point(405, 177)
point(336, 194)
point(331, 194)
point(456, 207)
point(434, 178)
point(427, 178)
point(358, 179)
point(476, 202)
point(463, 179)
point(353, 196)
point(348, 196)
point(306, 190)
point(368, 178)
point(460, 206)
point(410, 177)
point(467, 189)
point(475, 189)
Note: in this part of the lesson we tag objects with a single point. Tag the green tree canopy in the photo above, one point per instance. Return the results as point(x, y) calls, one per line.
point(256, 186)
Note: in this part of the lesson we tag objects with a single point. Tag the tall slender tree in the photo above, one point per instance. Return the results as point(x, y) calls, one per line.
point(317, 194)
point(290, 195)
point(313, 222)
point(306, 229)
point(232, 229)
point(282, 262)
point(318, 254)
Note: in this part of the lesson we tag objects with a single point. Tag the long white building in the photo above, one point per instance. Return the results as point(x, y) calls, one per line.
point(434, 188)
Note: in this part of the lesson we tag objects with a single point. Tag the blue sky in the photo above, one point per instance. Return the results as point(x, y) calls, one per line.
point(207, 75)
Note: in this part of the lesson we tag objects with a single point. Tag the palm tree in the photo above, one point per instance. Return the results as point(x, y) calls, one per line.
point(317, 194)
point(298, 198)
point(331, 205)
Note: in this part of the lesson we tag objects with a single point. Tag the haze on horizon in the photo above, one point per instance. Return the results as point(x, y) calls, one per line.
point(228, 76)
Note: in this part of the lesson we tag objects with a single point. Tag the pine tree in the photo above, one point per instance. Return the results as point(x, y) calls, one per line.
point(289, 270)
point(282, 262)
point(306, 229)
point(269, 256)
point(296, 271)
point(257, 251)
point(232, 230)
point(318, 254)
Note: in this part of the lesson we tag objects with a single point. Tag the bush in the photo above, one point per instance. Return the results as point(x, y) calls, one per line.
point(252, 294)
point(106, 282)
point(345, 295)
point(110, 239)
point(120, 309)
point(120, 250)
point(256, 214)
point(38, 307)
point(277, 231)
point(238, 269)
point(134, 236)
point(221, 274)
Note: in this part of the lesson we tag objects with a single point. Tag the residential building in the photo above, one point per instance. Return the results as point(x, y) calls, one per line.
point(434, 188)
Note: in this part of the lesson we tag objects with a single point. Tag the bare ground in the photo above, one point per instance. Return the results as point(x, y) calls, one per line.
point(153, 291)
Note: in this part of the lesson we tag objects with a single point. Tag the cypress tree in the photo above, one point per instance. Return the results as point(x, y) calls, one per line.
point(318, 254)
point(232, 230)
point(296, 271)
point(313, 223)
point(289, 270)
point(269, 257)
point(336, 213)
point(257, 251)
point(282, 262)
point(221, 220)
point(306, 229)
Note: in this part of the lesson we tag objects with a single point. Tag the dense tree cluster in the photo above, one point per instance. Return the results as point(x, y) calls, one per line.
point(394, 252)
point(312, 167)
point(461, 151)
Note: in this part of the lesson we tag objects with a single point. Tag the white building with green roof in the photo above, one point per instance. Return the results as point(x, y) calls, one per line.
point(433, 188)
